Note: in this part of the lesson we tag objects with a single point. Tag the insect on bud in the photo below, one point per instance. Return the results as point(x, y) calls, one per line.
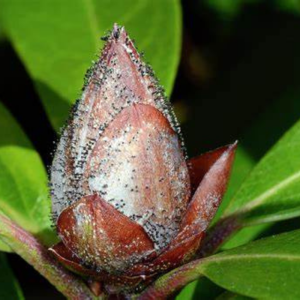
point(126, 203)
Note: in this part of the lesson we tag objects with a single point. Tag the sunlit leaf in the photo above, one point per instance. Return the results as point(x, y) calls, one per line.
point(57, 40)
point(23, 180)
point(243, 270)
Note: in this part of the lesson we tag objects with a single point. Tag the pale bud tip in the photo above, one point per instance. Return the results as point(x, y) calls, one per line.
point(118, 31)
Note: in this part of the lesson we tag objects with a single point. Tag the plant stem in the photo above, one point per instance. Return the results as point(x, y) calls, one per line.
point(218, 235)
point(30, 249)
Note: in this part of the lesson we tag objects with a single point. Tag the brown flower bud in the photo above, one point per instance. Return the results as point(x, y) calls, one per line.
point(126, 203)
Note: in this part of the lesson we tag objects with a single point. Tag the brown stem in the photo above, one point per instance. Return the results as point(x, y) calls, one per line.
point(218, 235)
point(29, 248)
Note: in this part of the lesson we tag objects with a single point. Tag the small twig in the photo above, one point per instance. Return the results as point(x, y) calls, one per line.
point(30, 249)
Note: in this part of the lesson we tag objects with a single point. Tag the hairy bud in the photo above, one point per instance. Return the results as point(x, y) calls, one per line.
point(126, 203)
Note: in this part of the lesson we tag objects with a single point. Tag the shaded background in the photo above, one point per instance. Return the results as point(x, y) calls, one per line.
point(238, 79)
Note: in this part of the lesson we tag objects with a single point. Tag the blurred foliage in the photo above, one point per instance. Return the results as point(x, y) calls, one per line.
point(9, 287)
point(231, 8)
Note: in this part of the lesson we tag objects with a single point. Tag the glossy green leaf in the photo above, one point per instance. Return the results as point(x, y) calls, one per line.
point(245, 235)
point(23, 180)
point(188, 291)
point(231, 296)
point(57, 40)
point(271, 192)
point(243, 269)
point(9, 287)
point(265, 269)
point(200, 289)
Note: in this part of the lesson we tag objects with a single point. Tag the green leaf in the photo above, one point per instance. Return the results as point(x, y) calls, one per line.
point(9, 286)
point(58, 39)
point(243, 269)
point(231, 296)
point(188, 292)
point(245, 235)
point(4, 247)
point(23, 180)
point(265, 269)
point(267, 129)
point(233, 8)
point(272, 190)
point(200, 289)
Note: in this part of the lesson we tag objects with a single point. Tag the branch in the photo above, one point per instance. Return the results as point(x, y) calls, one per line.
point(29, 248)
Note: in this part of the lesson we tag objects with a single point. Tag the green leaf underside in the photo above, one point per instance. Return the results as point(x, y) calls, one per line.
point(57, 40)
point(23, 181)
point(245, 235)
point(9, 287)
point(272, 191)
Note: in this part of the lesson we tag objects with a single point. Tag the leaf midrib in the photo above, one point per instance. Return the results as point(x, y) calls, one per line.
point(231, 257)
point(268, 193)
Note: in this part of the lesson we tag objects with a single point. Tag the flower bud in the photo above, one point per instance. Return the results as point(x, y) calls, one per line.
point(126, 203)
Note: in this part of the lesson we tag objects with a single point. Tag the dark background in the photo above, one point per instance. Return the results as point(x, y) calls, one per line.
point(238, 79)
